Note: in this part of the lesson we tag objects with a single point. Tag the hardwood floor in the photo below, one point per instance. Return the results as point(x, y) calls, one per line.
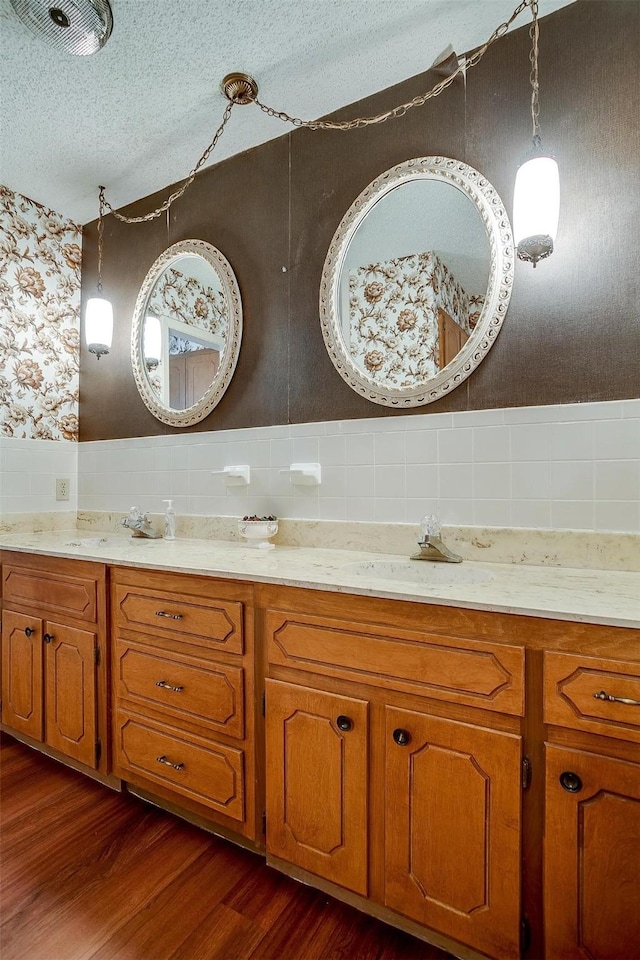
point(88, 873)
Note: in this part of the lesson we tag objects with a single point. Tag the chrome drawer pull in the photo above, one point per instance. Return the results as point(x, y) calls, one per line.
point(169, 616)
point(168, 763)
point(168, 686)
point(607, 696)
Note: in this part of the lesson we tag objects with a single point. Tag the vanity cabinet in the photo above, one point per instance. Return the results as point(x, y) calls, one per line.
point(382, 779)
point(183, 691)
point(592, 808)
point(53, 672)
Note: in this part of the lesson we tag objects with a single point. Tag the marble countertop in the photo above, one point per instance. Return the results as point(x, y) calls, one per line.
point(609, 597)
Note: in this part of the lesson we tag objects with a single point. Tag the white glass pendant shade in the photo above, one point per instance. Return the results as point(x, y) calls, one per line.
point(98, 325)
point(152, 346)
point(536, 208)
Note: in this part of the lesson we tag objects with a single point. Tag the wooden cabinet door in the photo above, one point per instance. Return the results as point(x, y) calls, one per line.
point(452, 824)
point(591, 857)
point(317, 782)
point(22, 673)
point(71, 716)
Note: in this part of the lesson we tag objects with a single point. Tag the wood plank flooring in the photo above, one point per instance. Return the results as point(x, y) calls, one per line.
point(88, 874)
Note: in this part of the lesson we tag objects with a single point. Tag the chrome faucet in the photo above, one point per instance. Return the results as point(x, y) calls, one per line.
point(431, 546)
point(139, 524)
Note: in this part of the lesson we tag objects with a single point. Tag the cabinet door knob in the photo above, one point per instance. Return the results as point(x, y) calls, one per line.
point(48, 637)
point(344, 723)
point(169, 763)
point(401, 737)
point(29, 631)
point(570, 781)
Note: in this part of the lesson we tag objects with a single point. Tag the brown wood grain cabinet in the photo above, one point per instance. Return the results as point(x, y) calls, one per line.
point(592, 808)
point(471, 777)
point(370, 785)
point(54, 690)
point(184, 696)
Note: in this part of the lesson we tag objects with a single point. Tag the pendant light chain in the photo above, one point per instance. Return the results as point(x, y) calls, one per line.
point(403, 108)
point(534, 33)
point(187, 183)
point(100, 237)
point(357, 122)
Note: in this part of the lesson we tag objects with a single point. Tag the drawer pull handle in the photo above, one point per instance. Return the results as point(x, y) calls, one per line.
point(169, 616)
point(603, 695)
point(344, 723)
point(168, 686)
point(570, 782)
point(48, 637)
point(401, 737)
point(28, 631)
point(168, 763)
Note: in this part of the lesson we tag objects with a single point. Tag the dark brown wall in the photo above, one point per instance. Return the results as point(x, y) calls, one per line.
point(572, 331)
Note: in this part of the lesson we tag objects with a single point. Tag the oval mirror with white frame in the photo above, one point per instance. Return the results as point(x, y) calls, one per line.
point(186, 332)
point(417, 282)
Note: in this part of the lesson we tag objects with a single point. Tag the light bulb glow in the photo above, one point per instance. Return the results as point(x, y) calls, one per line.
point(536, 200)
point(98, 325)
point(152, 345)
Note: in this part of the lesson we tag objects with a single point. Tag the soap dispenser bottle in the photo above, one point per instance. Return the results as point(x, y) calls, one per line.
point(169, 521)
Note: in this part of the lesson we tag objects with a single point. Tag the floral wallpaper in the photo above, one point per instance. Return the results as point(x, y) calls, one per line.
point(393, 310)
point(181, 297)
point(40, 261)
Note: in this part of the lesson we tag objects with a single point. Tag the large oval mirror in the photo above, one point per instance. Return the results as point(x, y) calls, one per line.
point(186, 332)
point(417, 282)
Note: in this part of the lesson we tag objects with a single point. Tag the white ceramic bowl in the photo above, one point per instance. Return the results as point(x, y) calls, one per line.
point(258, 532)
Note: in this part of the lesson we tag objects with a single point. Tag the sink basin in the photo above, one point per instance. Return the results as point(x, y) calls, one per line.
point(89, 542)
point(418, 571)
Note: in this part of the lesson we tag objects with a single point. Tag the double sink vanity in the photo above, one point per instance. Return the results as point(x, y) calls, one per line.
point(452, 748)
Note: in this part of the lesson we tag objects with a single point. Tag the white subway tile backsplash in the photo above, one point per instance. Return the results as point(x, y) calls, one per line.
point(492, 481)
point(455, 446)
point(570, 466)
point(530, 441)
point(390, 447)
point(572, 515)
point(390, 481)
point(617, 439)
point(572, 480)
point(360, 448)
point(572, 441)
point(530, 481)
point(617, 480)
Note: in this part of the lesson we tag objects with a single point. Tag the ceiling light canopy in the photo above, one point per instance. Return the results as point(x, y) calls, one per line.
point(80, 27)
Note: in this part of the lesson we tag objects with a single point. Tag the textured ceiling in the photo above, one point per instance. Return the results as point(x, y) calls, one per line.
point(138, 114)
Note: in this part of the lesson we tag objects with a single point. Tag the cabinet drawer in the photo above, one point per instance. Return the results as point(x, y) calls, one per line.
point(181, 687)
point(577, 691)
point(203, 621)
point(205, 771)
point(476, 673)
point(50, 592)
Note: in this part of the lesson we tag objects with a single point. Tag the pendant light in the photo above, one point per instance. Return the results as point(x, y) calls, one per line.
point(98, 318)
point(536, 200)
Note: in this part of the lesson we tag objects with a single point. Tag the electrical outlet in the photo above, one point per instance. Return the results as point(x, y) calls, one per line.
point(62, 488)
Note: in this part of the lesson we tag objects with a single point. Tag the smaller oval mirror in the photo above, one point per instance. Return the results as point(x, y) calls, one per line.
point(417, 281)
point(186, 332)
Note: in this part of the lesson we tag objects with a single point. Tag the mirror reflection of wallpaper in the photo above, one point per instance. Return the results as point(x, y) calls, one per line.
point(180, 297)
point(40, 261)
point(393, 316)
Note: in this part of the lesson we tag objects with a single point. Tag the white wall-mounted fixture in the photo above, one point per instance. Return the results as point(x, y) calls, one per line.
point(536, 199)
point(307, 474)
point(239, 475)
point(98, 318)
